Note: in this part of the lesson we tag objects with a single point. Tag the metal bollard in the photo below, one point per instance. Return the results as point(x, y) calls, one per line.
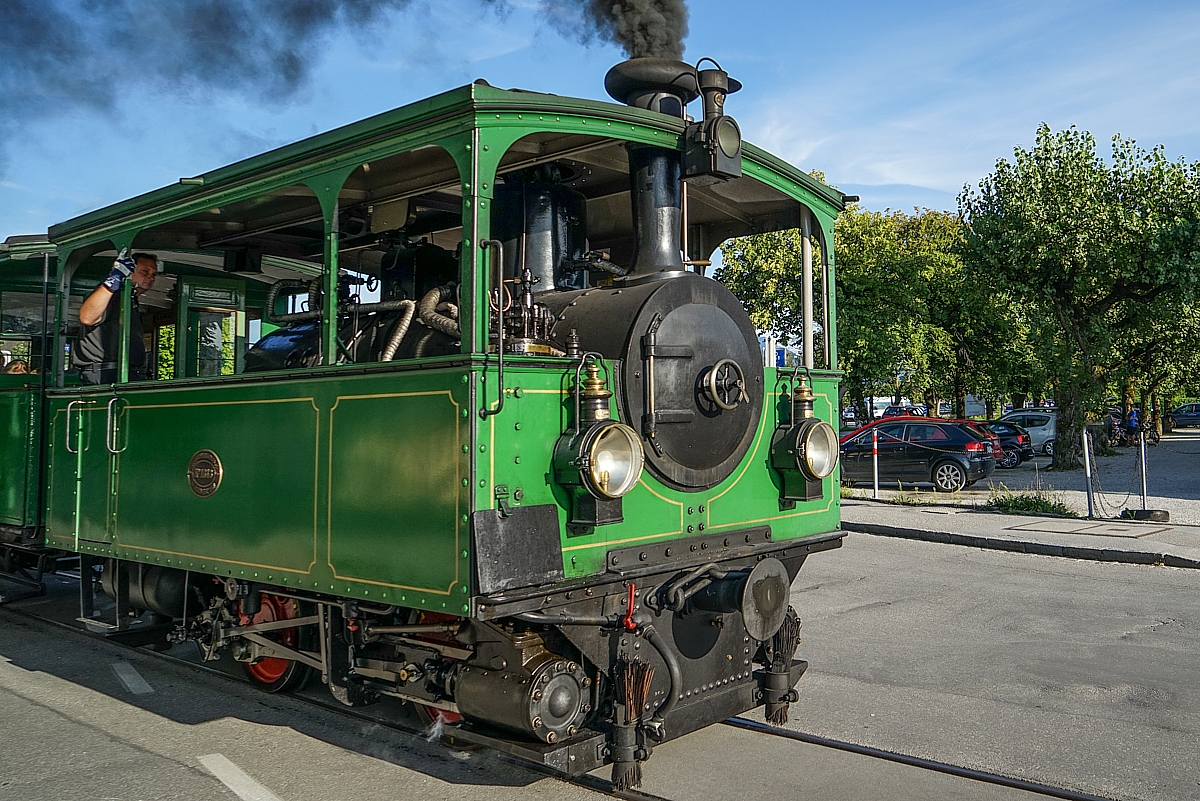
point(1087, 471)
point(875, 459)
point(1142, 444)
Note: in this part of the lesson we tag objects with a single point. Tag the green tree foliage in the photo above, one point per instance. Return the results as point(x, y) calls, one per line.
point(1100, 255)
point(911, 321)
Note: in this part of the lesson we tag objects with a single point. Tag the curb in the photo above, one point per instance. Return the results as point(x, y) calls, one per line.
point(1024, 546)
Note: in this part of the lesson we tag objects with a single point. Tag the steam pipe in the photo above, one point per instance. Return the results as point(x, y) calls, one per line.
point(389, 350)
point(273, 293)
point(427, 312)
point(593, 261)
point(668, 656)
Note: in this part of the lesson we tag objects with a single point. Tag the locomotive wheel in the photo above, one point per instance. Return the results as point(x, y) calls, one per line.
point(271, 673)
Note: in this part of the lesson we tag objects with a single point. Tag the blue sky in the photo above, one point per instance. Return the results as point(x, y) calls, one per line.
point(900, 103)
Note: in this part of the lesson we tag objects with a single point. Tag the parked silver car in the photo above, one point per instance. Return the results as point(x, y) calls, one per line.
point(1041, 425)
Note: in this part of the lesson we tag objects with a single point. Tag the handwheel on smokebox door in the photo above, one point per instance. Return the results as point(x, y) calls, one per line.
point(430, 716)
point(271, 673)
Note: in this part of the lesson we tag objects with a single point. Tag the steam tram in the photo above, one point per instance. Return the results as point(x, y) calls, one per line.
point(442, 406)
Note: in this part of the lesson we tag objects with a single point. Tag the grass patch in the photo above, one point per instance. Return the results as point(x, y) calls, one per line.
point(849, 492)
point(1036, 502)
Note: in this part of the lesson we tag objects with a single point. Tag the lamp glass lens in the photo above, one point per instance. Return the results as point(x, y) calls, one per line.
point(729, 138)
point(820, 450)
point(616, 461)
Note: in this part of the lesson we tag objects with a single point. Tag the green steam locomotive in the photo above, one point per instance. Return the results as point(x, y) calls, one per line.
point(441, 406)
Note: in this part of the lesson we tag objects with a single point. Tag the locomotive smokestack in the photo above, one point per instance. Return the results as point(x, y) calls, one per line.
point(656, 195)
point(655, 173)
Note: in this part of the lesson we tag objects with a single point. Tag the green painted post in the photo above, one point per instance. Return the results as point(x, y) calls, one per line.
point(125, 318)
point(830, 288)
point(329, 312)
point(327, 187)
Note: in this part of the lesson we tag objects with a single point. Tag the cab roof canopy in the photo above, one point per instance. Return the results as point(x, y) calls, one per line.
point(398, 166)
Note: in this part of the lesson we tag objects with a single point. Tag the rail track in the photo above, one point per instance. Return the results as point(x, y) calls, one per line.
point(588, 781)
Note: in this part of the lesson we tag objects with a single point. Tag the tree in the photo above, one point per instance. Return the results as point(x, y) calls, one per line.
point(1091, 249)
point(911, 320)
point(874, 303)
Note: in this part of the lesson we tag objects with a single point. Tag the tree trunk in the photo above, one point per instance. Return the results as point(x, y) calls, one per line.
point(931, 402)
point(1068, 437)
point(862, 411)
point(960, 396)
point(1018, 402)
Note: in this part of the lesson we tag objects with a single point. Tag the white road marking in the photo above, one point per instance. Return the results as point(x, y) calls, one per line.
point(236, 779)
point(132, 680)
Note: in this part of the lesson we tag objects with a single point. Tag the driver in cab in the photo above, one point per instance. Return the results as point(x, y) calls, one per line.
point(96, 351)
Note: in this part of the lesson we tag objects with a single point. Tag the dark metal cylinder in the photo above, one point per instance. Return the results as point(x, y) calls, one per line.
point(159, 589)
point(544, 227)
point(655, 183)
point(722, 596)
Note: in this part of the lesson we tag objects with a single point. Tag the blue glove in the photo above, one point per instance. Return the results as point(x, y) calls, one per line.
point(122, 268)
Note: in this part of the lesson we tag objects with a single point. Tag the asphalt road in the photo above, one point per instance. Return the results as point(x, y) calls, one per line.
point(81, 719)
point(87, 719)
point(1073, 673)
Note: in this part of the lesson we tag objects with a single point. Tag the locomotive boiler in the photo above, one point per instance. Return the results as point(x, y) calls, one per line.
point(446, 409)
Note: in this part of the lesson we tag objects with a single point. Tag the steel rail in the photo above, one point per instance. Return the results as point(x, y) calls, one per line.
point(585, 781)
point(597, 784)
point(912, 761)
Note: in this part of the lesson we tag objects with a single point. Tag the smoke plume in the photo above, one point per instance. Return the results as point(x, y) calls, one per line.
point(82, 51)
point(58, 56)
point(642, 27)
point(639, 27)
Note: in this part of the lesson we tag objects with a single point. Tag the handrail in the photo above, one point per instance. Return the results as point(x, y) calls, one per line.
point(111, 431)
point(69, 405)
point(495, 249)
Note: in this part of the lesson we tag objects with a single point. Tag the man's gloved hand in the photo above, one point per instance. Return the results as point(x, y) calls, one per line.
point(122, 268)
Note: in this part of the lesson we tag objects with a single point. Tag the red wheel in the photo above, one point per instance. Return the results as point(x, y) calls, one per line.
point(270, 673)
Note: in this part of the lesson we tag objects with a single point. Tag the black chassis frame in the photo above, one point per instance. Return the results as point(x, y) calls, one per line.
point(717, 685)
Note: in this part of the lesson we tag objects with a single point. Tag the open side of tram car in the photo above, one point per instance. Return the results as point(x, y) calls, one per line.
point(443, 407)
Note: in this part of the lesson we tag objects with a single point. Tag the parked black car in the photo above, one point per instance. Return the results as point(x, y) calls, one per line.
point(1015, 441)
point(947, 455)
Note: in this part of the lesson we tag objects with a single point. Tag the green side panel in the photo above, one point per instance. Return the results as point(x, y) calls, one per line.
point(264, 514)
point(395, 467)
point(516, 450)
point(18, 449)
point(356, 484)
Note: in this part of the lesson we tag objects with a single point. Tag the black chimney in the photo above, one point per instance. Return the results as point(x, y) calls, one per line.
point(655, 176)
point(655, 173)
point(655, 84)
